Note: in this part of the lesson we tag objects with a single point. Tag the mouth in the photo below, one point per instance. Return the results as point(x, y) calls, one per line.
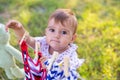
point(55, 41)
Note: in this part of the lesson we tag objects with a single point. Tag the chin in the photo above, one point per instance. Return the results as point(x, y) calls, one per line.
point(55, 48)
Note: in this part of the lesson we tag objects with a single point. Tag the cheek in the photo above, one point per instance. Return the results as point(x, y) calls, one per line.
point(47, 38)
point(46, 33)
point(66, 41)
point(69, 38)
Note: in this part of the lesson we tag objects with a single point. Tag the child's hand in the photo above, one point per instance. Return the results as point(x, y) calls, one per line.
point(14, 25)
point(17, 27)
point(43, 59)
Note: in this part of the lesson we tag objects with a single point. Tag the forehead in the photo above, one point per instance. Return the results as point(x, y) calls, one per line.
point(54, 23)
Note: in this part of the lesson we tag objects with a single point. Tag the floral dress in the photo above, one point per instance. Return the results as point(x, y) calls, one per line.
point(56, 72)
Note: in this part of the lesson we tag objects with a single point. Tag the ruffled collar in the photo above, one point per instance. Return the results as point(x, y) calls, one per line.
point(69, 52)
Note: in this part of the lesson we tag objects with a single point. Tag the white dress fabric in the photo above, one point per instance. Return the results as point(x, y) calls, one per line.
point(56, 73)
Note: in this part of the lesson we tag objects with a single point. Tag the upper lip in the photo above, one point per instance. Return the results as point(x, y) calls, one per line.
point(55, 40)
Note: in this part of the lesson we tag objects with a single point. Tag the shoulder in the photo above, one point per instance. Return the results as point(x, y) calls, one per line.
point(41, 40)
point(74, 59)
point(71, 51)
point(38, 39)
point(43, 44)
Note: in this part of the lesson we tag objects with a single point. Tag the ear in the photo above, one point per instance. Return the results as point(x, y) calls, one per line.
point(73, 38)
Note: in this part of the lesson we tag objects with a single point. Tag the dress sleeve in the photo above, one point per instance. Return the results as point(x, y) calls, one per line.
point(75, 62)
point(39, 39)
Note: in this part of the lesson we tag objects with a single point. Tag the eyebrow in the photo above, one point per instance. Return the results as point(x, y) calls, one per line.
point(61, 29)
point(50, 27)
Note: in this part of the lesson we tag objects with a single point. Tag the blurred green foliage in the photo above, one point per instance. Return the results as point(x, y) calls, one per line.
point(98, 31)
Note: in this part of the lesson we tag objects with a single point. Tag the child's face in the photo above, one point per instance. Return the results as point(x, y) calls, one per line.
point(59, 36)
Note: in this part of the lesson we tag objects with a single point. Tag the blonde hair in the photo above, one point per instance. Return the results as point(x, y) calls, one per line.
point(65, 16)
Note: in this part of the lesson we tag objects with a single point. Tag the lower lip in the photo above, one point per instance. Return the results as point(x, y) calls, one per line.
point(55, 41)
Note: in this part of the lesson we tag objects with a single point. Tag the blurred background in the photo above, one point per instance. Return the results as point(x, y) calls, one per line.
point(98, 31)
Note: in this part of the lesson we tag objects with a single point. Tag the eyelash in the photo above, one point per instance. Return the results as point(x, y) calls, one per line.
point(62, 32)
point(51, 30)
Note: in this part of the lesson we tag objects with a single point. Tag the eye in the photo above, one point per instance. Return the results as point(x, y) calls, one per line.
point(51, 30)
point(64, 32)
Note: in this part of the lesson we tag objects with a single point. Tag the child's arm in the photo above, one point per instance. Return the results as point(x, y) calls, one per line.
point(19, 31)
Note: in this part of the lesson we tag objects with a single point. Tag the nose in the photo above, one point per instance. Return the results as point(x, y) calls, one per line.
point(57, 35)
